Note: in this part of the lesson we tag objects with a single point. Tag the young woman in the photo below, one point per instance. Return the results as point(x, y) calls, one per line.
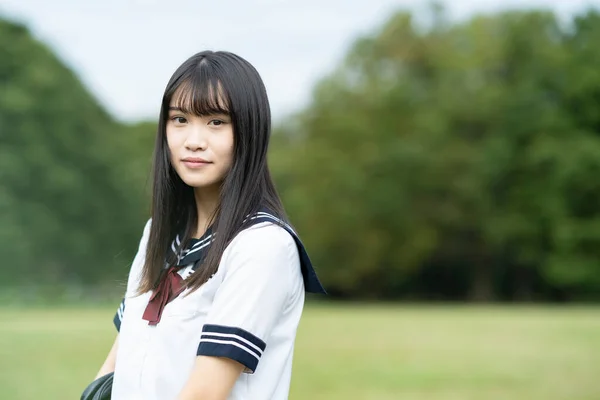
point(216, 289)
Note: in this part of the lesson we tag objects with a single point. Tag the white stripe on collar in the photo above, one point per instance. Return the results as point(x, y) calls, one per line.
point(206, 241)
point(267, 215)
point(201, 242)
point(197, 247)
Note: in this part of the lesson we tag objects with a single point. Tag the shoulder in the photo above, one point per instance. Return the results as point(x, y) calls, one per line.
point(264, 238)
point(145, 234)
point(147, 227)
point(137, 265)
point(264, 246)
point(143, 243)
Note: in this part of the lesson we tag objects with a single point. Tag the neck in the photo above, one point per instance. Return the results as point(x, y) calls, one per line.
point(207, 200)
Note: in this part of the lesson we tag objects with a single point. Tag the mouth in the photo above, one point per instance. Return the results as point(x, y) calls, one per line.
point(195, 162)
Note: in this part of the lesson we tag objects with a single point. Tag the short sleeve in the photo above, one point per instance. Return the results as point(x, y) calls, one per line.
point(133, 278)
point(261, 271)
point(119, 315)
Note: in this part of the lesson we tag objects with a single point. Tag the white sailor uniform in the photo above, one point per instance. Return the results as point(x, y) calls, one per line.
point(248, 311)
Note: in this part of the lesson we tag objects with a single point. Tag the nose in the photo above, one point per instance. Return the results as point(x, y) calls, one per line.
point(196, 138)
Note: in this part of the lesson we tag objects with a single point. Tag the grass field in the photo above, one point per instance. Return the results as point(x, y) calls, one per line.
point(349, 352)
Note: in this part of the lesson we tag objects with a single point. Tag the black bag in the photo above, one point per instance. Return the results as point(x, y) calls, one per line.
point(100, 389)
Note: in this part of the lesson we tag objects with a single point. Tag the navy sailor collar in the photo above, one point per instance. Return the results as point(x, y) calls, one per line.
point(195, 249)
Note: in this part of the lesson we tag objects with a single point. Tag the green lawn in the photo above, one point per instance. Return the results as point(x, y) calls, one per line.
point(349, 352)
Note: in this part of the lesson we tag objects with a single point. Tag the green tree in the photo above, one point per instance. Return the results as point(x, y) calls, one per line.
point(65, 213)
point(471, 145)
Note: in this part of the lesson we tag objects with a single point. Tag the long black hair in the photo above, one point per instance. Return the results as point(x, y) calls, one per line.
point(208, 83)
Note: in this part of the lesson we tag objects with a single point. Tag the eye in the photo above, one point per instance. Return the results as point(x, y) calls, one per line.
point(216, 122)
point(179, 120)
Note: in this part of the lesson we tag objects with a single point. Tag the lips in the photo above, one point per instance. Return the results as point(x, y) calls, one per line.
point(195, 162)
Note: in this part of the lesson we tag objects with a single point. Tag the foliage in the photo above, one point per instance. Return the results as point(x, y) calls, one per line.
point(464, 152)
point(65, 209)
point(452, 161)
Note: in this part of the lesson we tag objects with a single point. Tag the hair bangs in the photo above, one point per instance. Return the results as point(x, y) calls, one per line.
point(200, 95)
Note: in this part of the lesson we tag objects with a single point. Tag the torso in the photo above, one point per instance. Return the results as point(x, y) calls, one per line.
point(154, 362)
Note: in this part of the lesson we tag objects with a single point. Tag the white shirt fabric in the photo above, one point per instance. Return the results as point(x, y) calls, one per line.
point(248, 311)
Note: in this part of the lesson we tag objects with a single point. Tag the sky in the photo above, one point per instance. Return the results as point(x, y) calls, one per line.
point(125, 51)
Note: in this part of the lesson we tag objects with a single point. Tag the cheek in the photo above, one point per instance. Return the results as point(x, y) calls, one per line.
point(230, 152)
point(231, 155)
point(227, 148)
point(173, 153)
point(172, 142)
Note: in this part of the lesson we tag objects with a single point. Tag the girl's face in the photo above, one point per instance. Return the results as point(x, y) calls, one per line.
point(201, 146)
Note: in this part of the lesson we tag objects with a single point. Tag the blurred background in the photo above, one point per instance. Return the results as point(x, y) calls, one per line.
point(441, 161)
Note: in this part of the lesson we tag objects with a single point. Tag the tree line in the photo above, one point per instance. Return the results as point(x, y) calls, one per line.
point(454, 161)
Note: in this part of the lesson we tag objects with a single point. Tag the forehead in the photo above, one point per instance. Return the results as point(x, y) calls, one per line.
point(200, 98)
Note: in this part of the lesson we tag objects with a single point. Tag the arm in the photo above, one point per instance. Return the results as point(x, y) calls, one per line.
point(258, 271)
point(211, 379)
point(109, 363)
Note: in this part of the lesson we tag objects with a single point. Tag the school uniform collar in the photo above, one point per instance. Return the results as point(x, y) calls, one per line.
point(195, 249)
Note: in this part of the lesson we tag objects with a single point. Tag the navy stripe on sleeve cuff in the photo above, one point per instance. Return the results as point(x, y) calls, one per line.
point(230, 342)
point(119, 316)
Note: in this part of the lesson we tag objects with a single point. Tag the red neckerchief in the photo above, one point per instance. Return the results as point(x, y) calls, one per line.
point(171, 284)
point(169, 288)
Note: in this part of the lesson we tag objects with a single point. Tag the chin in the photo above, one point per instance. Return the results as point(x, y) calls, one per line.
point(197, 182)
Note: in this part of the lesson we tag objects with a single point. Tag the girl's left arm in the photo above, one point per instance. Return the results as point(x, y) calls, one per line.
point(211, 379)
point(261, 271)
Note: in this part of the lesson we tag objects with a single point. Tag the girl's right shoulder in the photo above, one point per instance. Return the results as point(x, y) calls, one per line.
point(147, 227)
point(146, 231)
point(143, 244)
point(135, 270)
point(143, 240)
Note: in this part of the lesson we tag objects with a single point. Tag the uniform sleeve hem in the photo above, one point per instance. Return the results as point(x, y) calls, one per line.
point(233, 343)
point(119, 316)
